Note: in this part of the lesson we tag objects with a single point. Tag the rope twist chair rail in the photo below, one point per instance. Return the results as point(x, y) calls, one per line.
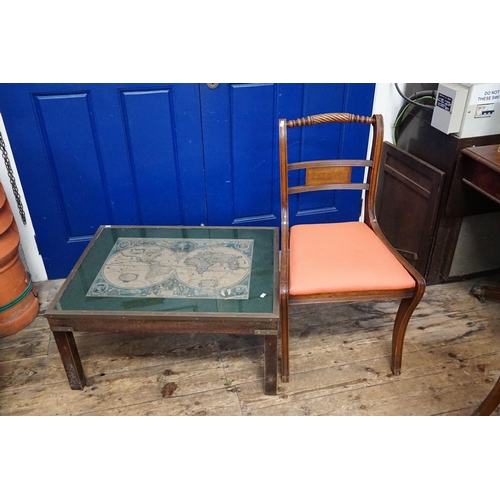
point(330, 118)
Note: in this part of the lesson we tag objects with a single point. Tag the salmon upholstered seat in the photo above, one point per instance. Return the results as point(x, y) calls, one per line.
point(343, 257)
point(344, 261)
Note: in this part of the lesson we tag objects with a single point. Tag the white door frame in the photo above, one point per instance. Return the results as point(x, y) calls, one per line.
point(28, 250)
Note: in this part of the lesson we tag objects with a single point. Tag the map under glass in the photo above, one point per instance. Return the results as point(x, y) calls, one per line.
point(180, 268)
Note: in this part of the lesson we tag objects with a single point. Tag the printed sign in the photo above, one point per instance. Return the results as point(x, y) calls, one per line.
point(444, 102)
point(485, 93)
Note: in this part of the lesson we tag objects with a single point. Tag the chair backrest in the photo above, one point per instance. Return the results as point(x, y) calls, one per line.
point(331, 174)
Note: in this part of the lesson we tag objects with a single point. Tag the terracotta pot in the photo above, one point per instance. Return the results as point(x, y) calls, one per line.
point(18, 297)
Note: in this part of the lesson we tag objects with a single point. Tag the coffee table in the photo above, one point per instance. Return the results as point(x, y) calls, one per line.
point(171, 279)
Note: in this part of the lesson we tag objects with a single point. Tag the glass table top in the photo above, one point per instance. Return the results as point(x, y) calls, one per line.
point(175, 269)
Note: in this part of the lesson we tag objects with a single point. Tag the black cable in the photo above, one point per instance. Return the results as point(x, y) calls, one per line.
point(418, 96)
point(414, 96)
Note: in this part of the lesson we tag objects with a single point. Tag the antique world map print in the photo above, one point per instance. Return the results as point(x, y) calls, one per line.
point(180, 268)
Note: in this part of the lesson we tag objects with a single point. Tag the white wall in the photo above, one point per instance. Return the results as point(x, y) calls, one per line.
point(387, 102)
point(28, 250)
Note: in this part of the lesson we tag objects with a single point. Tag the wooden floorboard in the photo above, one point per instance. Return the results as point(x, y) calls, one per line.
point(339, 360)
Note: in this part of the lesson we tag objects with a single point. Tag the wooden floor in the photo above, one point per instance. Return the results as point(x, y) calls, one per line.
point(339, 365)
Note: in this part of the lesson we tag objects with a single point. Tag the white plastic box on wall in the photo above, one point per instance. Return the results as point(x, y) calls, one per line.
point(467, 109)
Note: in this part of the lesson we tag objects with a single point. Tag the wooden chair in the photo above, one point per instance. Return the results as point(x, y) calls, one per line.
point(490, 403)
point(341, 262)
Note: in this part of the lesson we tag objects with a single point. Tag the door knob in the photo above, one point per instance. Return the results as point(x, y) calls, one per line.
point(212, 85)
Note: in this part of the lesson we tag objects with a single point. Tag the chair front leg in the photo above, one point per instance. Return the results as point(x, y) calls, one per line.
point(492, 400)
point(405, 310)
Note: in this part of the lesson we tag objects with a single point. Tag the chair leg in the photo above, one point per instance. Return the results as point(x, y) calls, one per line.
point(406, 308)
point(285, 351)
point(491, 401)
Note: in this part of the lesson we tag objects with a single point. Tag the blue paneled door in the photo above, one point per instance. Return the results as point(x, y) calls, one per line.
point(164, 154)
point(241, 149)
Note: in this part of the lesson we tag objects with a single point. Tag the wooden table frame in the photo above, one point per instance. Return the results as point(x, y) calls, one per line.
point(63, 324)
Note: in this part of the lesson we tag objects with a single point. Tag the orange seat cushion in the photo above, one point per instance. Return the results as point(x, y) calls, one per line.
point(342, 257)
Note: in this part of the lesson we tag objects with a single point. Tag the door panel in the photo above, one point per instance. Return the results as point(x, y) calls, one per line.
point(341, 141)
point(150, 131)
point(253, 124)
point(68, 134)
point(239, 122)
point(92, 154)
point(242, 157)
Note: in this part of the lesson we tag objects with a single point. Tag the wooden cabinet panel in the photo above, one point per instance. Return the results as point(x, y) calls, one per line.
point(407, 204)
point(419, 138)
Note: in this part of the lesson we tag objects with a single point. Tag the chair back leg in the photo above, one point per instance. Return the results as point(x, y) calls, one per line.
point(285, 350)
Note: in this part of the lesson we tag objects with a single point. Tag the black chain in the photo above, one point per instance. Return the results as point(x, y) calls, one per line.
point(12, 180)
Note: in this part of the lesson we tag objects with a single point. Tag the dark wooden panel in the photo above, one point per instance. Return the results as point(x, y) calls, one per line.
point(482, 174)
point(408, 200)
point(418, 137)
point(485, 181)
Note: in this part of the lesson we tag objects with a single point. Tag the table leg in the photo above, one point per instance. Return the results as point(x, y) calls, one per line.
point(70, 358)
point(270, 364)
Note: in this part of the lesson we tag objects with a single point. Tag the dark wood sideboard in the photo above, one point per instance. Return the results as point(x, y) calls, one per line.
point(422, 200)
